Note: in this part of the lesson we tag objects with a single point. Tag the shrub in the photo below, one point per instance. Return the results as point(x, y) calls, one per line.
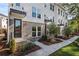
point(12, 46)
point(67, 31)
point(43, 38)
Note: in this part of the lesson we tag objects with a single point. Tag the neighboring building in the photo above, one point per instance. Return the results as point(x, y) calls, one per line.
point(3, 23)
point(26, 20)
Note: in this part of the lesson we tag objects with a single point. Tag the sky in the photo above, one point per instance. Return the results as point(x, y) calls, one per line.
point(4, 8)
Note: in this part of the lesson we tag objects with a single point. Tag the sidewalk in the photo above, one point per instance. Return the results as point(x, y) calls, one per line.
point(46, 50)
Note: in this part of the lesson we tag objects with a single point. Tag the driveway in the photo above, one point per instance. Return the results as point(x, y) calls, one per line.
point(46, 50)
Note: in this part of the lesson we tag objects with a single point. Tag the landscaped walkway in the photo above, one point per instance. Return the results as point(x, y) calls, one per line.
point(46, 50)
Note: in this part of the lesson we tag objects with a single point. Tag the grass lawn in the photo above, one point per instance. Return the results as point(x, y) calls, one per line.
point(70, 50)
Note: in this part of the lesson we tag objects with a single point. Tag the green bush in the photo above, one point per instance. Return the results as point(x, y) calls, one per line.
point(26, 47)
point(67, 31)
point(12, 46)
point(44, 37)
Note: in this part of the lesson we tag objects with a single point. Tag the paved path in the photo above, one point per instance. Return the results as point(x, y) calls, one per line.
point(46, 50)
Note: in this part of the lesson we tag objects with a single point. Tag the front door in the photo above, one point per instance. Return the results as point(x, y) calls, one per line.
point(17, 28)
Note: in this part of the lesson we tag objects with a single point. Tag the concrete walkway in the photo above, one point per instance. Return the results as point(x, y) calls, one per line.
point(46, 50)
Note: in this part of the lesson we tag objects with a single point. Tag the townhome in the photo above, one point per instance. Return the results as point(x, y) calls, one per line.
point(26, 20)
point(3, 23)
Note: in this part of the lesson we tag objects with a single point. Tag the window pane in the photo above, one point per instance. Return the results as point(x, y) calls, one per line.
point(58, 11)
point(61, 12)
point(39, 33)
point(33, 28)
point(33, 9)
point(38, 13)
point(10, 22)
point(17, 4)
point(33, 12)
point(39, 28)
point(33, 34)
point(51, 7)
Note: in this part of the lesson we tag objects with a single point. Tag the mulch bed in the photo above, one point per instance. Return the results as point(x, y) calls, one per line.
point(4, 53)
point(77, 33)
point(32, 49)
point(62, 37)
point(49, 43)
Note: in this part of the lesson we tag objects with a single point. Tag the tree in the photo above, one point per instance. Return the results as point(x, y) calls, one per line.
point(67, 31)
point(73, 9)
point(53, 29)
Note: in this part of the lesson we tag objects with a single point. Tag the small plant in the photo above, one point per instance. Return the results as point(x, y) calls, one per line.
point(12, 46)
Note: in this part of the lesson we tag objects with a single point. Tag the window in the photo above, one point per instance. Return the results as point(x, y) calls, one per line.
point(58, 11)
point(39, 31)
point(33, 12)
point(10, 22)
point(45, 5)
point(51, 7)
point(38, 13)
point(53, 19)
point(17, 4)
point(61, 12)
point(22, 8)
point(33, 31)
point(12, 5)
point(66, 16)
point(59, 21)
point(17, 28)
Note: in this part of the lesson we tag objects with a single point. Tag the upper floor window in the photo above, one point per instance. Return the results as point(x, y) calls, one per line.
point(22, 8)
point(53, 19)
point(33, 12)
point(61, 12)
point(17, 4)
point(58, 11)
point(51, 7)
point(66, 16)
point(12, 5)
point(45, 5)
point(38, 13)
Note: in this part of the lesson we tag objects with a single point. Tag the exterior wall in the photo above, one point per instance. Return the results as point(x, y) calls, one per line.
point(3, 22)
point(43, 10)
